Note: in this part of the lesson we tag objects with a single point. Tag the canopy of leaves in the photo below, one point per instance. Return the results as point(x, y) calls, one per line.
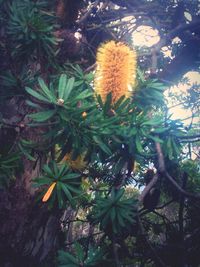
point(99, 183)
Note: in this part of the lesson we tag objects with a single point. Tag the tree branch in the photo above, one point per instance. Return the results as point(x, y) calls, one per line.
point(165, 205)
point(181, 206)
point(164, 172)
point(189, 136)
point(179, 29)
point(88, 12)
point(148, 187)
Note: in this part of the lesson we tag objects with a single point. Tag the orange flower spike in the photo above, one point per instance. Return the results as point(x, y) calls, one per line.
point(49, 192)
point(116, 70)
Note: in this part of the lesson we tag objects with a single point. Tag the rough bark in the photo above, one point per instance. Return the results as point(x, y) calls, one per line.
point(29, 231)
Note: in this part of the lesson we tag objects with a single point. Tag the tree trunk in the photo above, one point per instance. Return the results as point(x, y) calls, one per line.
point(29, 230)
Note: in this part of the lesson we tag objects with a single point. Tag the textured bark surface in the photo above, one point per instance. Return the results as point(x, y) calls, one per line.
point(28, 230)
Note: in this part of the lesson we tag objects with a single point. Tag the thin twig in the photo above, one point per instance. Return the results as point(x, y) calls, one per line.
point(165, 205)
point(88, 12)
point(90, 68)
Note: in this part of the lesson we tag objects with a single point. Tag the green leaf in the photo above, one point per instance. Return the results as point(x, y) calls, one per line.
point(123, 105)
point(79, 251)
point(42, 116)
point(120, 219)
point(119, 102)
point(37, 95)
point(141, 75)
point(48, 171)
point(68, 89)
point(33, 105)
point(84, 94)
point(55, 168)
point(70, 176)
point(42, 181)
point(66, 258)
point(160, 130)
point(105, 220)
point(113, 214)
point(118, 195)
point(73, 189)
point(99, 99)
point(62, 86)
point(59, 194)
point(103, 146)
point(152, 122)
point(107, 105)
point(26, 153)
point(155, 138)
point(176, 147)
point(66, 191)
point(169, 148)
point(138, 144)
point(62, 170)
point(46, 90)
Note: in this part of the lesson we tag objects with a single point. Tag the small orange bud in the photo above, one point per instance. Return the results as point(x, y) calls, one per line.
point(49, 192)
point(84, 114)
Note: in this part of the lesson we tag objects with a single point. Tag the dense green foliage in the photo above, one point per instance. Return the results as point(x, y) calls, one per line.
point(126, 175)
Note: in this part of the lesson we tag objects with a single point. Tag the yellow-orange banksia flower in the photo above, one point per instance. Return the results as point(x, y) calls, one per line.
point(49, 192)
point(116, 70)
